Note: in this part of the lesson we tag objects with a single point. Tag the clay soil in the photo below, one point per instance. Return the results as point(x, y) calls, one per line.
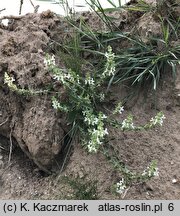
point(21, 178)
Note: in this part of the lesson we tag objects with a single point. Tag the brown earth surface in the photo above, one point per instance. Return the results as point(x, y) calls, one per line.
point(31, 123)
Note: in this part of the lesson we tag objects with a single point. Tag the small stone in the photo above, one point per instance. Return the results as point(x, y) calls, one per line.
point(174, 181)
point(148, 187)
point(147, 193)
point(36, 170)
point(1, 157)
point(81, 174)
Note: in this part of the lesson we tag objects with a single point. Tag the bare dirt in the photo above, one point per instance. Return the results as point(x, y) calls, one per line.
point(37, 130)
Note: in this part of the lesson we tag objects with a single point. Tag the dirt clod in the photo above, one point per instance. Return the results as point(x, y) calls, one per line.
point(35, 126)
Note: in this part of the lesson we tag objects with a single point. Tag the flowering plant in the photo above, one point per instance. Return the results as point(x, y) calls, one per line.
point(83, 94)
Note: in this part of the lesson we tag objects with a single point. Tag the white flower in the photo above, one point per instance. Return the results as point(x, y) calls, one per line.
point(53, 59)
point(156, 172)
point(67, 76)
point(144, 173)
point(91, 119)
point(101, 97)
point(158, 119)
point(55, 103)
point(109, 70)
point(154, 121)
point(91, 147)
point(110, 64)
point(46, 62)
point(161, 120)
point(120, 186)
point(49, 60)
point(86, 119)
point(121, 110)
point(59, 77)
point(106, 131)
point(96, 129)
point(98, 140)
point(103, 116)
point(89, 81)
point(127, 124)
point(9, 81)
point(95, 121)
point(151, 171)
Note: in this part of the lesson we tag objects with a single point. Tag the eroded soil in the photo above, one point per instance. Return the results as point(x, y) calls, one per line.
point(37, 128)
